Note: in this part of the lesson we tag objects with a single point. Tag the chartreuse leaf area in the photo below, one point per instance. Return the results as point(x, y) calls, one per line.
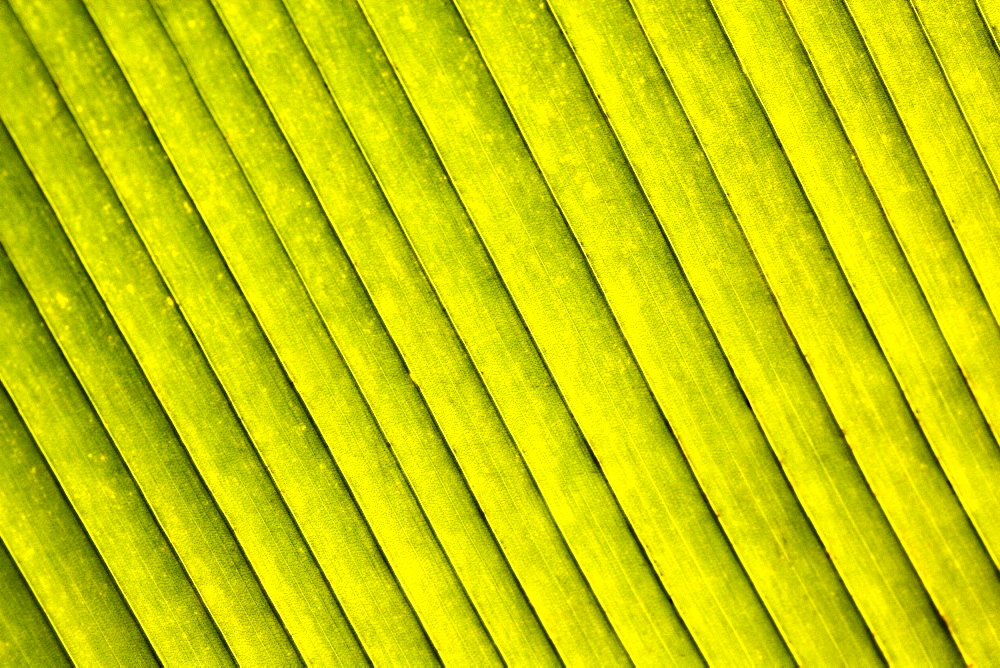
point(499, 332)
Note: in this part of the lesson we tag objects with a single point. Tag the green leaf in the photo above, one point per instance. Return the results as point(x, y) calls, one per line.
point(58, 561)
point(944, 118)
point(449, 380)
point(101, 491)
point(479, 333)
point(121, 394)
point(723, 272)
point(356, 326)
point(295, 330)
point(169, 353)
point(26, 636)
point(784, 224)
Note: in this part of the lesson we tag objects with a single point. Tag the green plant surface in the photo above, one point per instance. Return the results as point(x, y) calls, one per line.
point(347, 310)
point(783, 226)
point(894, 305)
point(518, 392)
point(927, 105)
point(100, 491)
point(255, 255)
point(100, 357)
point(468, 332)
point(907, 331)
point(542, 265)
point(967, 54)
point(873, 263)
point(912, 206)
point(723, 272)
point(127, 279)
point(26, 635)
point(51, 549)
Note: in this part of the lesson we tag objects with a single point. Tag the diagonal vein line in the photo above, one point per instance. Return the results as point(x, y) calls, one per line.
point(683, 274)
point(326, 324)
point(438, 544)
point(383, 188)
point(301, 280)
point(661, 417)
point(594, 277)
point(667, 240)
point(923, 156)
point(423, 269)
point(939, 205)
point(994, 630)
point(5, 397)
point(839, 117)
point(503, 284)
point(801, 187)
point(166, 286)
point(954, 95)
point(570, 227)
point(104, 427)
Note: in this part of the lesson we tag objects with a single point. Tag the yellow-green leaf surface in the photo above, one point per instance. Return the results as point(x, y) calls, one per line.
point(682, 189)
point(128, 279)
point(57, 559)
point(450, 380)
point(470, 332)
point(98, 487)
point(782, 225)
point(521, 225)
point(672, 343)
point(245, 237)
point(941, 133)
point(861, 237)
point(115, 383)
point(26, 635)
point(913, 208)
point(117, 387)
point(341, 299)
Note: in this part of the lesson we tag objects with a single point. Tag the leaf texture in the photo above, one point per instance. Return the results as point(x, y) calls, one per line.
point(26, 635)
point(466, 332)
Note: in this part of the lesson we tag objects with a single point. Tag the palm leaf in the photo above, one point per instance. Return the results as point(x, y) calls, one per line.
point(479, 332)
